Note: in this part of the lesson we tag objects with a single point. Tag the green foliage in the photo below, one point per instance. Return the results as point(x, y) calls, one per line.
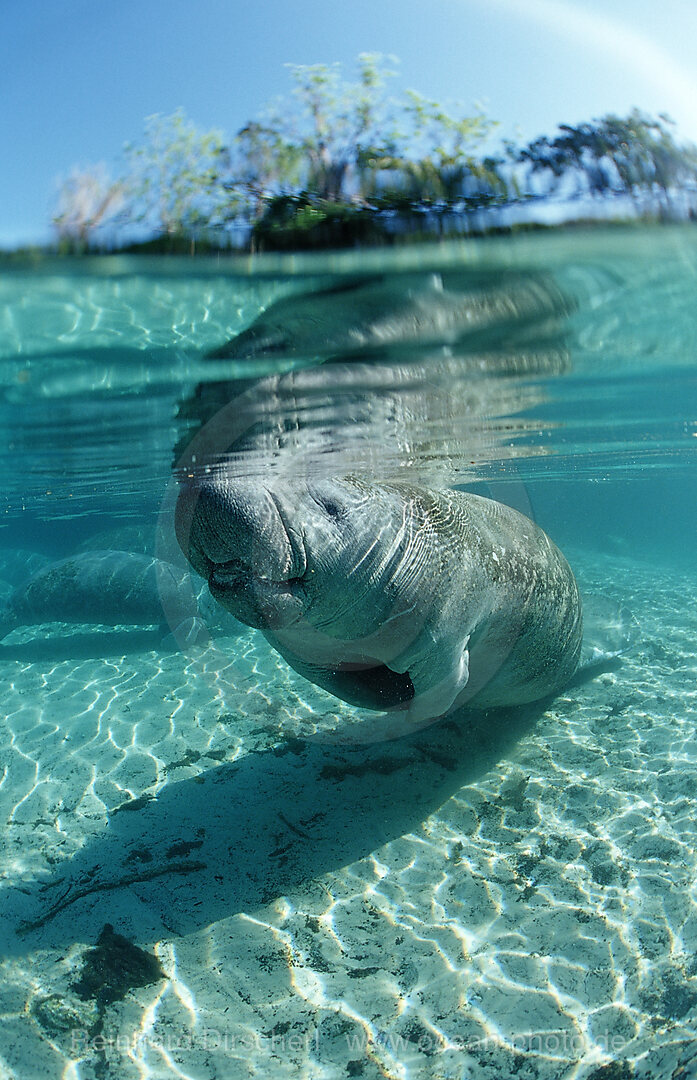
point(441, 138)
point(88, 199)
point(635, 156)
point(265, 164)
point(301, 222)
point(175, 177)
point(320, 141)
point(342, 157)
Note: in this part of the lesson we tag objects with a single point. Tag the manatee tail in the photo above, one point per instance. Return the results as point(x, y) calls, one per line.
point(609, 630)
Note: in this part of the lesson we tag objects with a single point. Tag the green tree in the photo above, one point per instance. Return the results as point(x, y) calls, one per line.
point(647, 161)
point(343, 160)
point(265, 165)
point(88, 200)
point(175, 178)
point(338, 123)
point(636, 156)
point(316, 145)
point(349, 143)
point(436, 167)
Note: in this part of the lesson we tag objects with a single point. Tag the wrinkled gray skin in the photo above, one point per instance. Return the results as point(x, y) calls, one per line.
point(108, 587)
point(390, 596)
point(18, 564)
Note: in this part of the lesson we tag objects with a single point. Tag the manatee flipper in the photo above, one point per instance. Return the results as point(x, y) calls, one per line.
point(427, 687)
point(438, 676)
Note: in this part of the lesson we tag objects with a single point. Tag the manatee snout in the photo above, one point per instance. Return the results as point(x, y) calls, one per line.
point(222, 521)
point(233, 534)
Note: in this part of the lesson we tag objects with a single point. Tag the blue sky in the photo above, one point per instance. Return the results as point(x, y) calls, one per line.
point(77, 77)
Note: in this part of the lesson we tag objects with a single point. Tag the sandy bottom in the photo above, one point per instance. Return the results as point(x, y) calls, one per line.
point(493, 896)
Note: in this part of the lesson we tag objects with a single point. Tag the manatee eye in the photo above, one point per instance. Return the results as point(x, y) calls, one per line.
point(331, 506)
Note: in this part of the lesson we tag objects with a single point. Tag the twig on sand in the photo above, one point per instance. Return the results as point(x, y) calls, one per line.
point(69, 897)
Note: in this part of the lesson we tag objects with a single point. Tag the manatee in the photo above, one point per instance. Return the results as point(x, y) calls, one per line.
point(6, 591)
point(375, 315)
point(391, 596)
point(105, 587)
point(121, 538)
point(19, 564)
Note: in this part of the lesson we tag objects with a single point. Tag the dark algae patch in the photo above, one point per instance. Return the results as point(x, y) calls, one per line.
point(113, 967)
point(614, 1070)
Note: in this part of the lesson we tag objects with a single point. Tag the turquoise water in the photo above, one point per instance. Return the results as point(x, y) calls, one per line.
point(493, 894)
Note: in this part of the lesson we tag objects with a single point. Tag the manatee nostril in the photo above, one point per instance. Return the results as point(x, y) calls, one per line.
point(203, 520)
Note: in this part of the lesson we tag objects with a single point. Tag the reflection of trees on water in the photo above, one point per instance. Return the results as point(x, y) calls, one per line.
point(346, 163)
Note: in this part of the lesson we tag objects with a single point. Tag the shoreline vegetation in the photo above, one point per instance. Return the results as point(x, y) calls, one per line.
point(342, 163)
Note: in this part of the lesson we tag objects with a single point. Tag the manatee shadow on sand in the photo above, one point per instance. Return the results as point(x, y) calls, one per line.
point(242, 834)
